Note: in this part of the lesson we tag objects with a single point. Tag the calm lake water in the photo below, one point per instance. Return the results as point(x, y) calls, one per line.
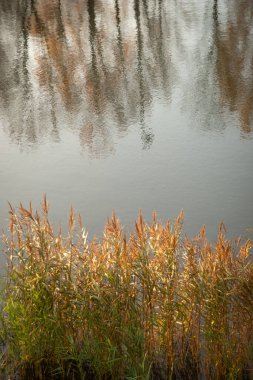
point(128, 105)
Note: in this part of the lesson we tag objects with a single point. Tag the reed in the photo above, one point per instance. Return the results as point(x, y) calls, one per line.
point(154, 305)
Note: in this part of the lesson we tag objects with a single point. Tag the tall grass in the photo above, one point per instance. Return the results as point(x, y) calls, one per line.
point(153, 306)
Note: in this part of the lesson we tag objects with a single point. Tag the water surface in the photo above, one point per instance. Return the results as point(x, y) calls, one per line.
point(114, 104)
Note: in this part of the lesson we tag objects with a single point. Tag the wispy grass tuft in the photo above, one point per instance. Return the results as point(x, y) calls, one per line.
point(153, 306)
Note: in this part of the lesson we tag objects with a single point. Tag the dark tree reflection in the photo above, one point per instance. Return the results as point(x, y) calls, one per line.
point(96, 65)
point(90, 64)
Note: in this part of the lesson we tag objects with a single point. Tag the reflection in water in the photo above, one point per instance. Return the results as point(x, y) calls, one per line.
point(235, 60)
point(97, 65)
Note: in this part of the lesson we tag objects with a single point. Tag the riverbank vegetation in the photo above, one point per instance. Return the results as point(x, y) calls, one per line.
point(155, 305)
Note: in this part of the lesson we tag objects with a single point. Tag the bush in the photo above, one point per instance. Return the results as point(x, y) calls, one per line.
point(153, 306)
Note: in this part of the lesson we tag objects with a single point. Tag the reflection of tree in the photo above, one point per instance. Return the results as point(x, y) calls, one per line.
point(96, 64)
point(235, 59)
point(192, 51)
point(213, 56)
point(98, 60)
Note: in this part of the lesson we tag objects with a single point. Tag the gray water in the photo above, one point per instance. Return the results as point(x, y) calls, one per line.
point(126, 105)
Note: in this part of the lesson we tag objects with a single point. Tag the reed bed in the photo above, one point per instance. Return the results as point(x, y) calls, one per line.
point(155, 305)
